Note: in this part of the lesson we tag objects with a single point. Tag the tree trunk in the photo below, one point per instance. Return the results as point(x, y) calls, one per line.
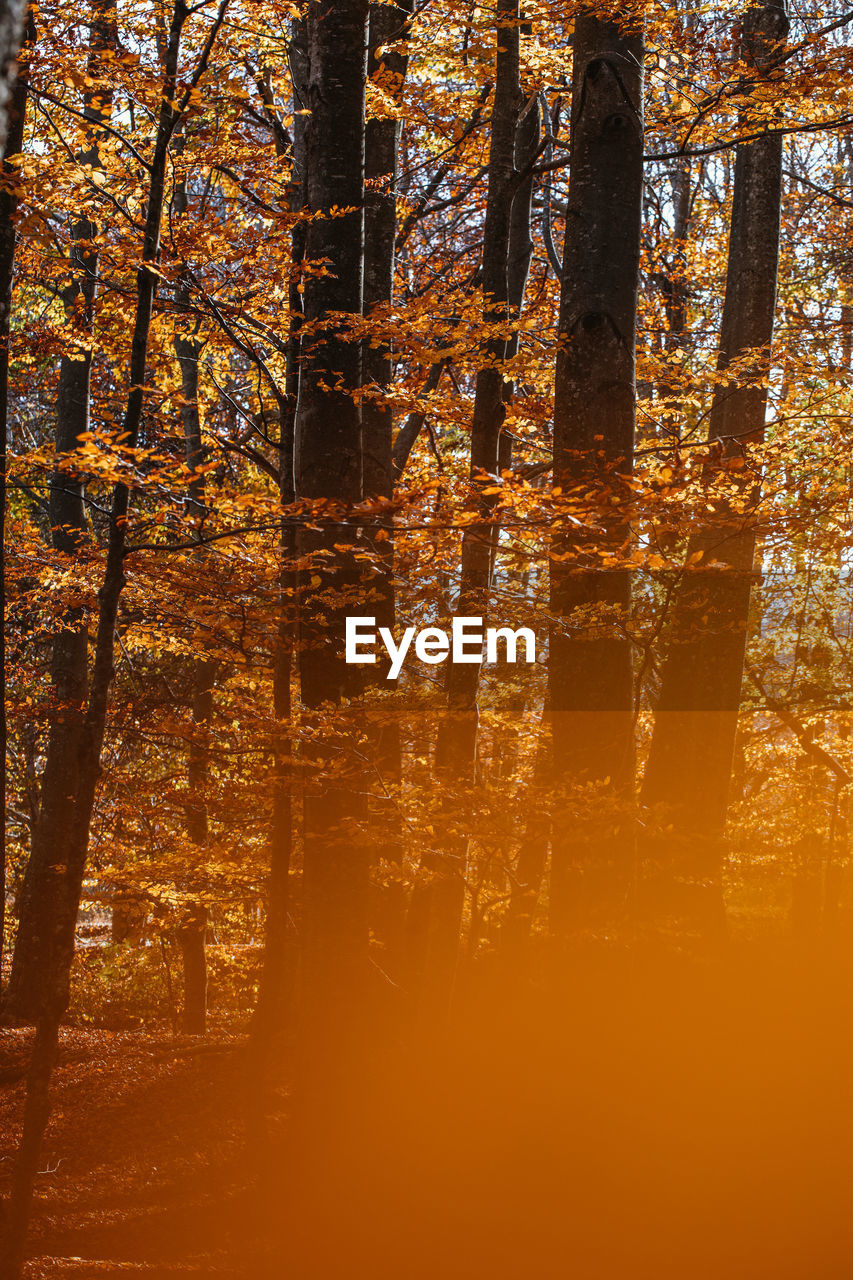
point(276, 985)
point(675, 292)
point(58, 862)
point(56, 867)
point(12, 22)
point(387, 65)
point(387, 68)
point(278, 969)
point(438, 899)
point(328, 470)
point(456, 746)
point(193, 926)
point(191, 938)
point(690, 760)
point(69, 660)
point(8, 239)
point(591, 677)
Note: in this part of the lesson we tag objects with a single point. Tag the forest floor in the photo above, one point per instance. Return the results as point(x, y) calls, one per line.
point(623, 1119)
point(145, 1133)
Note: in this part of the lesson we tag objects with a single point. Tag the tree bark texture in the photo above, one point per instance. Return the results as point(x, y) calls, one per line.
point(591, 676)
point(328, 470)
point(12, 22)
point(387, 64)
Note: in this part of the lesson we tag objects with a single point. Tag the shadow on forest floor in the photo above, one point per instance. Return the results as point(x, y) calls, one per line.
point(626, 1116)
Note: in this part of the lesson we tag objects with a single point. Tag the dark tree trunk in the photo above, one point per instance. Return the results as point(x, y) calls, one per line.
point(328, 422)
point(520, 248)
point(69, 660)
point(55, 871)
point(191, 939)
point(675, 290)
point(13, 15)
point(456, 746)
point(277, 975)
point(387, 66)
point(328, 470)
point(8, 239)
point(188, 348)
point(591, 679)
point(437, 902)
point(193, 926)
point(58, 862)
point(690, 760)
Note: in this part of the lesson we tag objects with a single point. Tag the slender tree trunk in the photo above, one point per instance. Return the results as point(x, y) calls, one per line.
point(278, 972)
point(533, 854)
point(69, 659)
point(437, 902)
point(8, 239)
point(676, 295)
point(58, 864)
point(456, 746)
point(690, 760)
point(278, 969)
point(328, 470)
point(520, 249)
point(591, 678)
point(45, 945)
point(191, 939)
point(193, 926)
point(387, 65)
point(404, 441)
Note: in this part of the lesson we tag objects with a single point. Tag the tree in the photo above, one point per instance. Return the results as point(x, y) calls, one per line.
point(328, 473)
point(690, 759)
point(13, 14)
point(387, 63)
point(69, 529)
point(437, 903)
point(55, 871)
point(591, 658)
point(38, 987)
point(8, 239)
point(278, 975)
